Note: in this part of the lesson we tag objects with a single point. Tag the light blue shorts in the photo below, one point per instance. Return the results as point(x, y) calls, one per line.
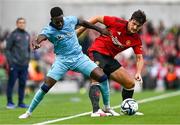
point(81, 64)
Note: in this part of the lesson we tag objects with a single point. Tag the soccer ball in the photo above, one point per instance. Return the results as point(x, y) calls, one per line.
point(129, 106)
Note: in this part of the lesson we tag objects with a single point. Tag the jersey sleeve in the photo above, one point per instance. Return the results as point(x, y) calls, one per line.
point(138, 49)
point(46, 32)
point(108, 20)
point(74, 20)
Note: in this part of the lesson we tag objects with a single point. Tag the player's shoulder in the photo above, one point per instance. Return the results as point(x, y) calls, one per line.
point(116, 19)
point(70, 18)
point(47, 27)
point(122, 20)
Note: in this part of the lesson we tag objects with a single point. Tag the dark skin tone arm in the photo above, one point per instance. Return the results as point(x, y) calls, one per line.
point(93, 20)
point(40, 38)
point(92, 26)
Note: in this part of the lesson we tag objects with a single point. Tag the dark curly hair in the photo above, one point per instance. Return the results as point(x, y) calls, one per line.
point(56, 11)
point(139, 16)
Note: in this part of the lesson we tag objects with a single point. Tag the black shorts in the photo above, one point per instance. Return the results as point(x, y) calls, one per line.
point(107, 63)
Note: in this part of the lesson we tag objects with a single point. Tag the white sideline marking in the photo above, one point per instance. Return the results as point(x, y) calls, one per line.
point(114, 107)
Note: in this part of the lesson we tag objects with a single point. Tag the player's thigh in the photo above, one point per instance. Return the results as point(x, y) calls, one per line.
point(57, 70)
point(123, 77)
point(88, 67)
point(106, 63)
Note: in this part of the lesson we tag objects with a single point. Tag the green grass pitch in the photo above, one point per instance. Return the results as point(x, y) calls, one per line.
point(162, 111)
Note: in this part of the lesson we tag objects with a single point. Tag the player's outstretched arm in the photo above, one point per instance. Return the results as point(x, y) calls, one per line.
point(89, 24)
point(139, 65)
point(96, 19)
point(39, 39)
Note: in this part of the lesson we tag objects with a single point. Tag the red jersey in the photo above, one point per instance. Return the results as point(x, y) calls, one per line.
point(120, 41)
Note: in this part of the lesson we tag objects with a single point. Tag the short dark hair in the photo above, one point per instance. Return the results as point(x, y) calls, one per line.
point(56, 11)
point(20, 18)
point(139, 16)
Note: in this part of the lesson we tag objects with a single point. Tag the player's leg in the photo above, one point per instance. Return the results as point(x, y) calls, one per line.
point(108, 65)
point(123, 77)
point(45, 87)
point(98, 75)
point(94, 95)
point(55, 73)
point(117, 73)
point(89, 68)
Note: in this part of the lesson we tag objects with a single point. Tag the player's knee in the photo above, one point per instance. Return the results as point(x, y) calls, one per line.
point(45, 87)
point(103, 78)
point(130, 85)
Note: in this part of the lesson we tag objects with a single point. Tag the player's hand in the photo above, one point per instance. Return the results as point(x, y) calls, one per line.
point(35, 45)
point(105, 32)
point(138, 79)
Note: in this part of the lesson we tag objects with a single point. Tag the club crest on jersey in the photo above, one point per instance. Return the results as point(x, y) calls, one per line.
point(128, 42)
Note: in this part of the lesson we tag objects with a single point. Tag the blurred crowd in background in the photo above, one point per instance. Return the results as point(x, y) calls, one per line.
point(161, 71)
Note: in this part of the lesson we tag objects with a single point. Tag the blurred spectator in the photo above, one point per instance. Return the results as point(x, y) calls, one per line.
point(35, 73)
point(18, 56)
point(3, 71)
point(171, 80)
point(36, 76)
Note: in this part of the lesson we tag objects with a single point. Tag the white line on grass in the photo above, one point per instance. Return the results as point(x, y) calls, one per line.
point(115, 107)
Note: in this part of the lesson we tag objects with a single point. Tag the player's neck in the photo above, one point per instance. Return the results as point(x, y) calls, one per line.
point(54, 26)
point(129, 32)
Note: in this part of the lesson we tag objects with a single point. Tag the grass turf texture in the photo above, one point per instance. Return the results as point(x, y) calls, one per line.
point(164, 111)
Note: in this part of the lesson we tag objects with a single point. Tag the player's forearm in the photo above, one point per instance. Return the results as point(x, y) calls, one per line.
point(96, 19)
point(139, 63)
point(92, 20)
point(90, 26)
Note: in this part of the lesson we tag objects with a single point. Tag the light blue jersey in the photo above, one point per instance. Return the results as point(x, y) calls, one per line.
point(68, 52)
point(65, 40)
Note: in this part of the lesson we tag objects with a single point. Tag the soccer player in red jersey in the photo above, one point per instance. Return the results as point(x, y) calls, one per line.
point(124, 35)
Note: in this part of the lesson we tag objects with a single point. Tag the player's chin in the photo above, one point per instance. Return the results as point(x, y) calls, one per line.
point(133, 31)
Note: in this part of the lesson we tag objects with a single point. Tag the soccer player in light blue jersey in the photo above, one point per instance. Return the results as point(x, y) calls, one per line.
point(61, 32)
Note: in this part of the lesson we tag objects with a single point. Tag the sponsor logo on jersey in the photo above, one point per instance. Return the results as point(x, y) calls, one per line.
point(116, 42)
point(119, 33)
point(60, 37)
